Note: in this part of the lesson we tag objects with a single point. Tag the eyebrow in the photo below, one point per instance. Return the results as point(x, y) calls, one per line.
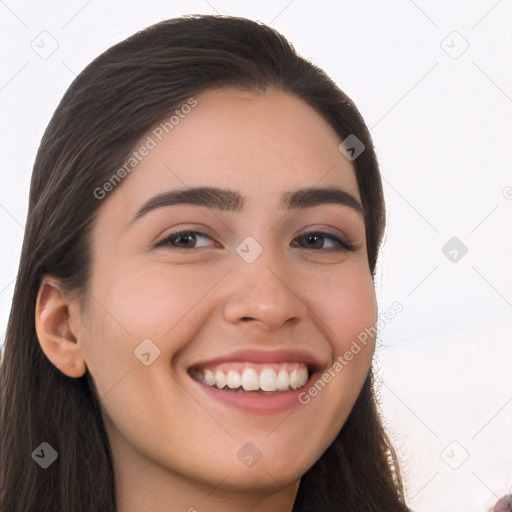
point(230, 200)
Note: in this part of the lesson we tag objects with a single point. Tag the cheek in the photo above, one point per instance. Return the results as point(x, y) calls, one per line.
point(151, 300)
point(346, 304)
point(133, 303)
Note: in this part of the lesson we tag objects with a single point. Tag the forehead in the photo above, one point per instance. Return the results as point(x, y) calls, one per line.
point(261, 144)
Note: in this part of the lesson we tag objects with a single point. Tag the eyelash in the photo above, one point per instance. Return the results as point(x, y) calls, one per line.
point(168, 239)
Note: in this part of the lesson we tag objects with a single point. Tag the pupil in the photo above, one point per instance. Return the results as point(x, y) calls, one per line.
point(312, 238)
point(185, 239)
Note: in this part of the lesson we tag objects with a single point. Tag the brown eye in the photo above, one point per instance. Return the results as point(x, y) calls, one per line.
point(183, 240)
point(316, 240)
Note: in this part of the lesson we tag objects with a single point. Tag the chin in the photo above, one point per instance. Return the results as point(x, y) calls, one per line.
point(262, 479)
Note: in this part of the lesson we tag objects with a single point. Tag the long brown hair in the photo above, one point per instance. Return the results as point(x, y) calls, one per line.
point(109, 106)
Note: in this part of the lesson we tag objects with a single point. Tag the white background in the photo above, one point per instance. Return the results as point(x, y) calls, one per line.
point(442, 127)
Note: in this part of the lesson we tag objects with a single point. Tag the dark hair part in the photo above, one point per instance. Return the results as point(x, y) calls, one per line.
point(121, 95)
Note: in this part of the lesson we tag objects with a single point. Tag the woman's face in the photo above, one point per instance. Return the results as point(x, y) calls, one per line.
point(252, 291)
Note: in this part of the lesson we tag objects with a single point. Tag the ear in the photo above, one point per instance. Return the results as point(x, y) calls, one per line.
point(56, 331)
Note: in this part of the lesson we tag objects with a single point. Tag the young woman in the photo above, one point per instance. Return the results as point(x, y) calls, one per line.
point(194, 317)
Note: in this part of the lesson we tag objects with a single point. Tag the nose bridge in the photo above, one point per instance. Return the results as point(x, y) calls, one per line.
point(262, 289)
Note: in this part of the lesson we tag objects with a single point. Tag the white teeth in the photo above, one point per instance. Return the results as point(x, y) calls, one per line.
point(233, 379)
point(303, 374)
point(209, 377)
point(220, 379)
point(294, 379)
point(250, 380)
point(298, 378)
point(268, 380)
point(283, 380)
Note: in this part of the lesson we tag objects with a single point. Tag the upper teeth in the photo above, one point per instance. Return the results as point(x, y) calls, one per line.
point(277, 377)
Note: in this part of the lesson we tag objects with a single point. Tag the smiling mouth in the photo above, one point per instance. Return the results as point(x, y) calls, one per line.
point(253, 378)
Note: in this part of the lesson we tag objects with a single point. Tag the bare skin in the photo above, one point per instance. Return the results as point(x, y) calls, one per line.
point(174, 447)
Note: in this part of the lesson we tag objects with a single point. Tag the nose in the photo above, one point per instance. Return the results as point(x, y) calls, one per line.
point(263, 294)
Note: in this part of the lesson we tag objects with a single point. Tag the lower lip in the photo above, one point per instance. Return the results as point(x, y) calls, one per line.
point(258, 403)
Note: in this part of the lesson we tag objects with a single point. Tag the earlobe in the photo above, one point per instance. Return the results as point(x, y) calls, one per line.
point(55, 330)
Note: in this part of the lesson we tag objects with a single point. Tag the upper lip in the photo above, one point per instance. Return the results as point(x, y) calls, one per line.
point(277, 355)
